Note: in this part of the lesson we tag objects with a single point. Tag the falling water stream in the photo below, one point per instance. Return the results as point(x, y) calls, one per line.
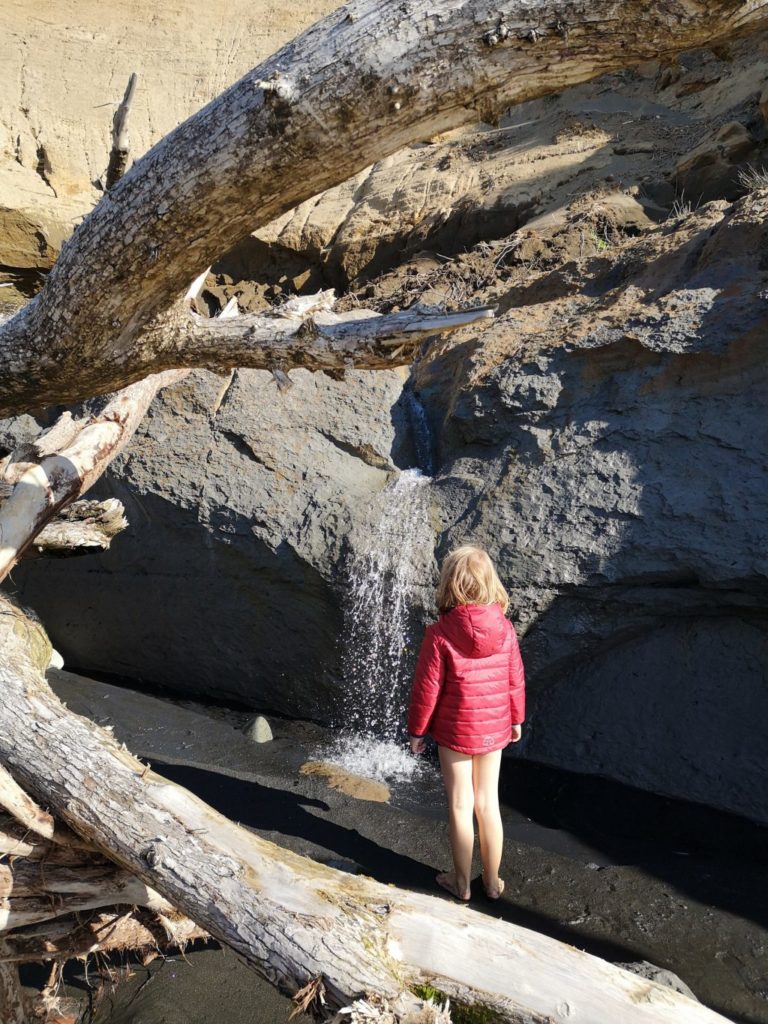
point(391, 563)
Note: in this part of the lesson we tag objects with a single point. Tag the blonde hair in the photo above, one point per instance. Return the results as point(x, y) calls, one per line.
point(468, 577)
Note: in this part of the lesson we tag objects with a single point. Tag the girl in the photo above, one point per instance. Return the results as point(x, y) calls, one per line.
point(469, 694)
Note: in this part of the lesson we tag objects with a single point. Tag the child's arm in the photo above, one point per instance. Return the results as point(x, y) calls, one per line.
point(427, 683)
point(516, 687)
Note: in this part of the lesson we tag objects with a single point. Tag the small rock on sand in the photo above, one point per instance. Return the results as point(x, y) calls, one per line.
point(259, 730)
point(660, 975)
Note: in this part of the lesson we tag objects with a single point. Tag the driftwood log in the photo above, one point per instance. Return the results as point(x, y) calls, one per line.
point(82, 528)
point(297, 922)
point(367, 80)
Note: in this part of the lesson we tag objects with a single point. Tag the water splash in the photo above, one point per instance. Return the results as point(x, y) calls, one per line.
point(384, 760)
point(391, 564)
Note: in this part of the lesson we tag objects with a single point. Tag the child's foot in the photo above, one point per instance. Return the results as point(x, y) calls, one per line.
point(447, 881)
point(493, 892)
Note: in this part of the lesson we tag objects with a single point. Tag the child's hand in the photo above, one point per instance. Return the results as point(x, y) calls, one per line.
point(517, 732)
point(418, 744)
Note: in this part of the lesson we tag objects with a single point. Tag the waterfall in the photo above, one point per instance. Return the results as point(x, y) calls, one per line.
point(420, 431)
point(391, 563)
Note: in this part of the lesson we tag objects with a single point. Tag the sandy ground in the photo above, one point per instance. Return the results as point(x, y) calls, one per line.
point(623, 874)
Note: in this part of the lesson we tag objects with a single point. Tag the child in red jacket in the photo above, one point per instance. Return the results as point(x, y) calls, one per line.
point(469, 695)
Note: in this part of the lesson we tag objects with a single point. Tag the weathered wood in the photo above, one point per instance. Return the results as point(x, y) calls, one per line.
point(109, 931)
point(121, 144)
point(12, 1005)
point(81, 528)
point(42, 489)
point(311, 336)
point(31, 892)
point(292, 919)
point(22, 808)
point(367, 80)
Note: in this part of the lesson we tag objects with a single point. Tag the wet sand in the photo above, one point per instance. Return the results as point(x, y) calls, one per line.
point(620, 873)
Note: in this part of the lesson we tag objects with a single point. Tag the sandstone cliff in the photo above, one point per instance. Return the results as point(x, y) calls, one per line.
point(65, 66)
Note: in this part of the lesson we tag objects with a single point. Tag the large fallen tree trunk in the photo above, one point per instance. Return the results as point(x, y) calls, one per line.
point(359, 85)
point(299, 923)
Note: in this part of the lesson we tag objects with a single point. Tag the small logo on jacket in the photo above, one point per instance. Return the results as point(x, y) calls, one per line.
point(488, 740)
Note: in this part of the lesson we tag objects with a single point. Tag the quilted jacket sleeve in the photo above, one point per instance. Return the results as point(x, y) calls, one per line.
point(516, 681)
point(427, 683)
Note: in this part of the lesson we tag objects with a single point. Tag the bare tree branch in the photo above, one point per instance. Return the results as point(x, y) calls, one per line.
point(121, 144)
point(367, 80)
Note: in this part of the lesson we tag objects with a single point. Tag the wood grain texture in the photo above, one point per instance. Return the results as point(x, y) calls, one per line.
point(359, 85)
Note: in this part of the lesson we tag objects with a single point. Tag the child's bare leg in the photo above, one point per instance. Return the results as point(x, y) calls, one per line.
point(457, 776)
point(485, 779)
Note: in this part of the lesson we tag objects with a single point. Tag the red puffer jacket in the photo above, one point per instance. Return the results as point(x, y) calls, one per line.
point(469, 687)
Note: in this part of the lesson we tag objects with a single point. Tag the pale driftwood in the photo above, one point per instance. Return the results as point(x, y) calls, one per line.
point(22, 808)
point(82, 527)
point(108, 931)
point(42, 489)
point(121, 144)
point(367, 80)
point(310, 336)
point(35, 892)
point(18, 842)
point(295, 921)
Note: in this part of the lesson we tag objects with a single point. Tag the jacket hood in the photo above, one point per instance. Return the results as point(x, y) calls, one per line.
point(475, 630)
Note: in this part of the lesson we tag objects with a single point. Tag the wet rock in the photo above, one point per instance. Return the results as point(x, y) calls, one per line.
point(240, 499)
point(259, 730)
point(346, 782)
point(660, 975)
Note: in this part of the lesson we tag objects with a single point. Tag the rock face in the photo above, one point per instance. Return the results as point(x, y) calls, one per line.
point(608, 447)
point(605, 438)
point(64, 74)
point(240, 499)
point(715, 167)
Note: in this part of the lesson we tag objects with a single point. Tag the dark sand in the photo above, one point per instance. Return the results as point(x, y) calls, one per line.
point(615, 871)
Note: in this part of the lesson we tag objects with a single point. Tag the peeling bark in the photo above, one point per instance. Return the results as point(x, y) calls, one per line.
point(12, 1007)
point(104, 932)
point(367, 80)
point(82, 528)
point(296, 921)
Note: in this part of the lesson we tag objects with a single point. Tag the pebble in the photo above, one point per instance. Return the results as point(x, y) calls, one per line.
point(259, 730)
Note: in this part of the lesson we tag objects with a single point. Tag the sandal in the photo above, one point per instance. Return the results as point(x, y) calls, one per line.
point(493, 894)
point(447, 881)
